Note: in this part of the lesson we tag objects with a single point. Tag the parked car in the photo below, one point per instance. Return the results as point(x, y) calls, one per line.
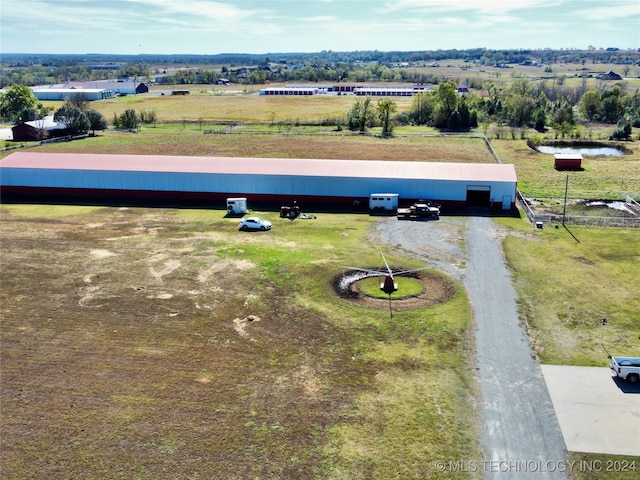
point(254, 223)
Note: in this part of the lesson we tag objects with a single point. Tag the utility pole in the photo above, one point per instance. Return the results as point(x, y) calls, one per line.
point(603, 322)
point(566, 192)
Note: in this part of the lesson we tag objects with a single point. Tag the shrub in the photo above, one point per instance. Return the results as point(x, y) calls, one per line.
point(126, 120)
point(622, 132)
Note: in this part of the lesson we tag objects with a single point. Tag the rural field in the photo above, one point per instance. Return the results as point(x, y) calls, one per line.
point(143, 343)
point(153, 343)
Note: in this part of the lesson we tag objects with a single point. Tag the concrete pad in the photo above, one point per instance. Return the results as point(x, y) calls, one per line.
point(597, 413)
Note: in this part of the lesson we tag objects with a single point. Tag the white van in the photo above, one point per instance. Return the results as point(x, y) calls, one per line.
point(383, 202)
point(236, 206)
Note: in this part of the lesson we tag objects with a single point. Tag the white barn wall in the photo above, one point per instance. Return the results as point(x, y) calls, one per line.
point(454, 190)
point(322, 182)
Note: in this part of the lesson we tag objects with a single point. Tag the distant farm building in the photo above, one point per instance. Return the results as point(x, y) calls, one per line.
point(610, 75)
point(42, 129)
point(384, 91)
point(289, 91)
point(63, 94)
point(568, 161)
point(359, 90)
point(118, 87)
point(345, 88)
point(313, 183)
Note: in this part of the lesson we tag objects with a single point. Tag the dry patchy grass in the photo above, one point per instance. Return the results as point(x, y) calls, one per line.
point(354, 147)
point(203, 106)
point(158, 343)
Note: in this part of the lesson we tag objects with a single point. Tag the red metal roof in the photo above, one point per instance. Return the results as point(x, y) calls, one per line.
point(262, 166)
point(567, 156)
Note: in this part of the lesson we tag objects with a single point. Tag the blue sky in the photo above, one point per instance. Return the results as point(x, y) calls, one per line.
point(271, 26)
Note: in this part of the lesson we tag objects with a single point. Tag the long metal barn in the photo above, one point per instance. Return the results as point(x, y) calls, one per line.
point(207, 181)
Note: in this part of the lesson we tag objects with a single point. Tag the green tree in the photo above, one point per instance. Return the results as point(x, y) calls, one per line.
point(455, 122)
point(257, 77)
point(590, 106)
point(15, 100)
point(96, 120)
point(27, 114)
point(127, 120)
point(148, 116)
point(468, 117)
point(612, 108)
point(496, 99)
point(73, 118)
point(564, 114)
point(384, 110)
point(540, 119)
point(361, 115)
point(564, 128)
point(447, 103)
point(422, 108)
point(622, 131)
point(520, 103)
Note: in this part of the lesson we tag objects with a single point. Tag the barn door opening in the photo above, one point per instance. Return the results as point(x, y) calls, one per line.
point(479, 196)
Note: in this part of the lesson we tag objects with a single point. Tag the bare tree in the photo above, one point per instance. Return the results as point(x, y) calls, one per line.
point(78, 99)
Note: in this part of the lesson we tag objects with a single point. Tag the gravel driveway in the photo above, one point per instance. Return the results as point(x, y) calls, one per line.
point(520, 432)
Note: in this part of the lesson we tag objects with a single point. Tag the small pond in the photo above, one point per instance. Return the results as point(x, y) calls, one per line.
point(606, 151)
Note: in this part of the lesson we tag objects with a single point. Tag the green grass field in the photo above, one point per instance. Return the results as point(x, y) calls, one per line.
point(601, 178)
point(569, 279)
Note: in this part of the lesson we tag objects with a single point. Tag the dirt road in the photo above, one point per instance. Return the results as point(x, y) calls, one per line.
point(520, 432)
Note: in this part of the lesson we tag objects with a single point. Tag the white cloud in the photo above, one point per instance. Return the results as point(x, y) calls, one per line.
point(610, 12)
point(320, 19)
point(218, 11)
point(471, 5)
point(254, 26)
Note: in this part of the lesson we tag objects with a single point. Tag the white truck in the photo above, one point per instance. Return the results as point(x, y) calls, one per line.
point(418, 211)
point(626, 368)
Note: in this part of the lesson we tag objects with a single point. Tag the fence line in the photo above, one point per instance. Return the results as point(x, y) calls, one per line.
point(584, 220)
point(591, 221)
point(525, 206)
point(490, 147)
point(632, 204)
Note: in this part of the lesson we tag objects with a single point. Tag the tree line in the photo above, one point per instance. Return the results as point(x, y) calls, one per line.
point(519, 106)
point(359, 66)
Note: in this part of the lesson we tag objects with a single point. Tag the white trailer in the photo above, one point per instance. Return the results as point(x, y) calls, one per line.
point(383, 202)
point(236, 206)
